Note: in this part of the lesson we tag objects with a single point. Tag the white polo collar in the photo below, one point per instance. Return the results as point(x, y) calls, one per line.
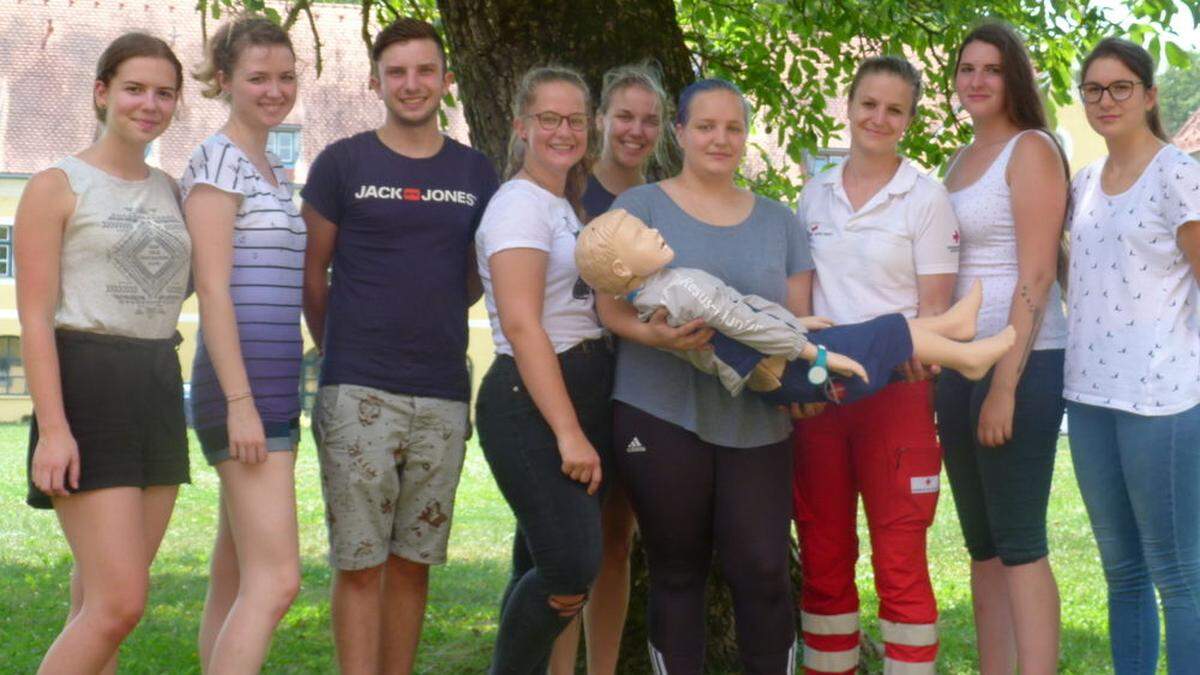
point(901, 183)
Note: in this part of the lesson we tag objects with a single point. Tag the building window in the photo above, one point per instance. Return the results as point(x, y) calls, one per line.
point(824, 159)
point(12, 370)
point(6, 267)
point(284, 141)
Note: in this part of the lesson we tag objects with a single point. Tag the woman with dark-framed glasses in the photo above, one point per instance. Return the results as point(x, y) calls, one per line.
point(1133, 354)
point(543, 411)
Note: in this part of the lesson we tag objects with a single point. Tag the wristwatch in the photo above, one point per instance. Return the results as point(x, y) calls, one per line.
point(818, 374)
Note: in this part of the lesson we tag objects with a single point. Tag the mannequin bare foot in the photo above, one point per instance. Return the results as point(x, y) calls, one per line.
point(981, 355)
point(766, 374)
point(959, 320)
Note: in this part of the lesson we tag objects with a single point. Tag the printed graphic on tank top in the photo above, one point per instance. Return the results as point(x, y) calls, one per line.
point(125, 254)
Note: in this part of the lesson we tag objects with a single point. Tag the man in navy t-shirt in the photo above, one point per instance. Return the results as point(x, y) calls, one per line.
point(395, 210)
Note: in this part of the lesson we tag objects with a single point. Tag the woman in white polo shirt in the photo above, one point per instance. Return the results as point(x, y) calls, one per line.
point(885, 239)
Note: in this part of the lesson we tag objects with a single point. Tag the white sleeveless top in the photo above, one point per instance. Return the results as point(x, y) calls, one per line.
point(126, 255)
point(988, 253)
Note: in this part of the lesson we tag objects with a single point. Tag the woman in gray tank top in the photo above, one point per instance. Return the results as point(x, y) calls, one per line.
point(102, 260)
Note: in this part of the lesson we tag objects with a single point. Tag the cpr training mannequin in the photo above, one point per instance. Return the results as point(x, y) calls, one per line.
point(768, 349)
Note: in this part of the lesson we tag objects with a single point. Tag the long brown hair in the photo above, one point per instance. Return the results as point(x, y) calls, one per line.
point(1022, 103)
point(1135, 59)
point(524, 97)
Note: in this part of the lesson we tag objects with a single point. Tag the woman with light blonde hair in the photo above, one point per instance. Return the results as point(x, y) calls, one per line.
point(249, 258)
point(633, 110)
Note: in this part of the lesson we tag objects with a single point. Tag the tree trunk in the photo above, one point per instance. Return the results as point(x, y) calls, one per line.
point(721, 653)
point(493, 42)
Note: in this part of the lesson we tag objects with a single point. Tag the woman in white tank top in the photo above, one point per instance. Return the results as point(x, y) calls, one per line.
point(1009, 190)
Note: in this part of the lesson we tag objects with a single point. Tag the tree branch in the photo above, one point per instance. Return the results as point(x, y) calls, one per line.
point(294, 13)
point(312, 23)
point(202, 5)
point(366, 25)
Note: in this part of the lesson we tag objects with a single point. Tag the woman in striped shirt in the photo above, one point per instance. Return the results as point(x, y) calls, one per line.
point(248, 260)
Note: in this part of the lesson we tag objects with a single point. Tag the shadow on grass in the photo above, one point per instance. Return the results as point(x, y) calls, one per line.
point(460, 624)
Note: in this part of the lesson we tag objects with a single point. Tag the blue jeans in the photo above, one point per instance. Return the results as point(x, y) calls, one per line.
point(1140, 479)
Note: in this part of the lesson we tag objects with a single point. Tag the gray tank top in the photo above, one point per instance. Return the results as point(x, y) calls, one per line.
point(125, 255)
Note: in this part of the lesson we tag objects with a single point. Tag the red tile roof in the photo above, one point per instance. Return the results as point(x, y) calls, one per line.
point(1188, 138)
point(51, 47)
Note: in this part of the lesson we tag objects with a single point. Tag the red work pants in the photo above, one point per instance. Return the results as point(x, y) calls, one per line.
point(885, 448)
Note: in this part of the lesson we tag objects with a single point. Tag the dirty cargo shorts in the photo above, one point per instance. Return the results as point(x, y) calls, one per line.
point(390, 465)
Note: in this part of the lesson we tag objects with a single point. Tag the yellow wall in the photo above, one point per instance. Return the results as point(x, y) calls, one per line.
point(10, 192)
point(1084, 146)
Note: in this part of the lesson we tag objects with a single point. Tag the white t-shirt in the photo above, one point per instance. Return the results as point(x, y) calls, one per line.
point(522, 214)
point(868, 260)
point(1134, 324)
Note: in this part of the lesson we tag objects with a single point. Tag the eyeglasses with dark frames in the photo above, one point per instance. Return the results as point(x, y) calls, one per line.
point(549, 120)
point(1120, 90)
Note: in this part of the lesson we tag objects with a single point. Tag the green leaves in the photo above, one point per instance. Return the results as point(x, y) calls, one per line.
point(795, 58)
point(798, 59)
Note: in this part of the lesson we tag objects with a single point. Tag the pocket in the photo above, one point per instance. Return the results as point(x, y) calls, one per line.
point(917, 484)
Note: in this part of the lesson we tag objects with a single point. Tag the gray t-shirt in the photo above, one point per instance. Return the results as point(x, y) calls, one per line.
point(755, 256)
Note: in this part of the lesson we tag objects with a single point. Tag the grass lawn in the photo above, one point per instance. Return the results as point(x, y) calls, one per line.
point(461, 621)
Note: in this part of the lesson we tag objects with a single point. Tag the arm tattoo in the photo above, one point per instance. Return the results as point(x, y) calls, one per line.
point(1039, 312)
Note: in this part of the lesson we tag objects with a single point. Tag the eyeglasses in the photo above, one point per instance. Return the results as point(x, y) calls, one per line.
point(1119, 90)
point(549, 120)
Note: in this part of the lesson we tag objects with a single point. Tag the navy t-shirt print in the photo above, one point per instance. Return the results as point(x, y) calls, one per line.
point(397, 313)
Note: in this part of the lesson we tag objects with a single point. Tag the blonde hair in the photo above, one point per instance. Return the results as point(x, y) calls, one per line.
point(595, 253)
point(524, 97)
point(645, 75)
point(226, 45)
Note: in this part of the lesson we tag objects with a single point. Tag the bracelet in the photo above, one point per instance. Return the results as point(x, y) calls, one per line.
point(238, 397)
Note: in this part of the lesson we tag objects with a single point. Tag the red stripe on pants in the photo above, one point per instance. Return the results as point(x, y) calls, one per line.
point(831, 643)
point(910, 654)
point(874, 447)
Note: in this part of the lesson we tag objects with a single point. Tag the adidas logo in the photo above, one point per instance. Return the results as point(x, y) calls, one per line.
point(635, 446)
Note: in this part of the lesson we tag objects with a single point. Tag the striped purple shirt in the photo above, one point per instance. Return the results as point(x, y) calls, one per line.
point(268, 265)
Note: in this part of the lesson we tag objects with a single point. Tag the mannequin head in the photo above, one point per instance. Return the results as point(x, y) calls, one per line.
point(616, 252)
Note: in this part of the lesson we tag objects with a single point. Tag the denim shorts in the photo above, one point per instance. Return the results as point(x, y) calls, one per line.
point(1002, 493)
point(281, 437)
